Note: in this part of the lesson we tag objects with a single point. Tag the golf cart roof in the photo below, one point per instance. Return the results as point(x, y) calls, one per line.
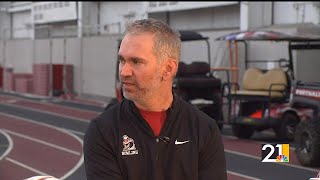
point(267, 35)
point(191, 36)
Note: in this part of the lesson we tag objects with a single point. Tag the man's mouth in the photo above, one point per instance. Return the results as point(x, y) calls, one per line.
point(127, 83)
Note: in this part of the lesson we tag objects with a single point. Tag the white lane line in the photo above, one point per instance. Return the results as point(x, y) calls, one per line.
point(10, 101)
point(26, 166)
point(242, 154)
point(283, 164)
point(47, 112)
point(74, 132)
point(43, 142)
point(10, 144)
point(88, 102)
point(256, 141)
point(230, 137)
point(242, 175)
point(46, 102)
point(80, 162)
point(42, 124)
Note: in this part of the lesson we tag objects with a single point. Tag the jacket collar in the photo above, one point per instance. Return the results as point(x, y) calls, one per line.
point(172, 111)
point(174, 105)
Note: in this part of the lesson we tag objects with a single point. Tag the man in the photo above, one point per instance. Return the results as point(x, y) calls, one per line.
point(152, 134)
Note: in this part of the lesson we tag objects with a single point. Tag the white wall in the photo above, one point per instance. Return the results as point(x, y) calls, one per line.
point(113, 13)
point(1, 54)
point(90, 17)
point(21, 61)
point(203, 19)
point(20, 19)
point(296, 12)
point(4, 19)
point(99, 65)
point(73, 56)
point(95, 64)
point(94, 74)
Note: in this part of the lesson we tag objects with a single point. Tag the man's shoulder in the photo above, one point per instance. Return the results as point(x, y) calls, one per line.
point(190, 110)
point(198, 119)
point(110, 114)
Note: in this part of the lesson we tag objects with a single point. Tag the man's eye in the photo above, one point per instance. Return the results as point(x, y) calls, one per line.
point(121, 61)
point(135, 61)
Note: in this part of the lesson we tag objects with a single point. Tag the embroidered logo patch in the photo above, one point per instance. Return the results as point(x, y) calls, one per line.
point(129, 148)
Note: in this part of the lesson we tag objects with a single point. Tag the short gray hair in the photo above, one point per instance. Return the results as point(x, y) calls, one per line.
point(167, 42)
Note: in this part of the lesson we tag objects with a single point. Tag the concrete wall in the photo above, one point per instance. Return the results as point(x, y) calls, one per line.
point(296, 12)
point(19, 55)
point(259, 14)
point(20, 21)
point(4, 19)
point(99, 65)
point(73, 56)
point(94, 58)
point(94, 63)
point(114, 15)
point(1, 53)
point(42, 51)
point(225, 17)
point(90, 18)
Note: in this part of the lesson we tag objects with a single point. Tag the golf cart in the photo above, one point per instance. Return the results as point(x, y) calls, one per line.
point(194, 82)
point(262, 101)
point(307, 137)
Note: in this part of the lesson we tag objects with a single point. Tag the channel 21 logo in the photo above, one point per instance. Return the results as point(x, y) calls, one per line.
point(275, 152)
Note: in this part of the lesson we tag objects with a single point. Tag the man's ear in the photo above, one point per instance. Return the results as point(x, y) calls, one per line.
point(170, 69)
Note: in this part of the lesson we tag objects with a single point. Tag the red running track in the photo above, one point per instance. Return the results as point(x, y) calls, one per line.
point(238, 145)
point(82, 100)
point(53, 108)
point(39, 147)
point(252, 148)
point(73, 112)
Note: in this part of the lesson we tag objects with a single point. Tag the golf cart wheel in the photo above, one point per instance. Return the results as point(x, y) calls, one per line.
point(242, 131)
point(307, 138)
point(287, 127)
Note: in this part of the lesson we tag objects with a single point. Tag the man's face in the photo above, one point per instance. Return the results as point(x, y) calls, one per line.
point(139, 71)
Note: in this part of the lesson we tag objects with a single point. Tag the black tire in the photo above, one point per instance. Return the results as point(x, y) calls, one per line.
point(307, 138)
point(287, 128)
point(242, 131)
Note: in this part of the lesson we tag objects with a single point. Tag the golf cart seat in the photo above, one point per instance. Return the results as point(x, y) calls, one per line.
point(196, 75)
point(196, 81)
point(270, 85)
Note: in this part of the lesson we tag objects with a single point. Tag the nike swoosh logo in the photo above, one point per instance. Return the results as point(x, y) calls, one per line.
point(180, 142)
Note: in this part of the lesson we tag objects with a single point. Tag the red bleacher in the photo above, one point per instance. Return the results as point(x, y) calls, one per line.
point(38, 82)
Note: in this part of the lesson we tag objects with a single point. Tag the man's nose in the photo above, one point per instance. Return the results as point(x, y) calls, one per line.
point(125, 70)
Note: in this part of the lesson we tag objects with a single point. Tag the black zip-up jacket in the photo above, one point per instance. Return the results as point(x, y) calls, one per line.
point(120, 145)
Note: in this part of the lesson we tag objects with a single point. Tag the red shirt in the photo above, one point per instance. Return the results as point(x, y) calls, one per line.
point(154, 119)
